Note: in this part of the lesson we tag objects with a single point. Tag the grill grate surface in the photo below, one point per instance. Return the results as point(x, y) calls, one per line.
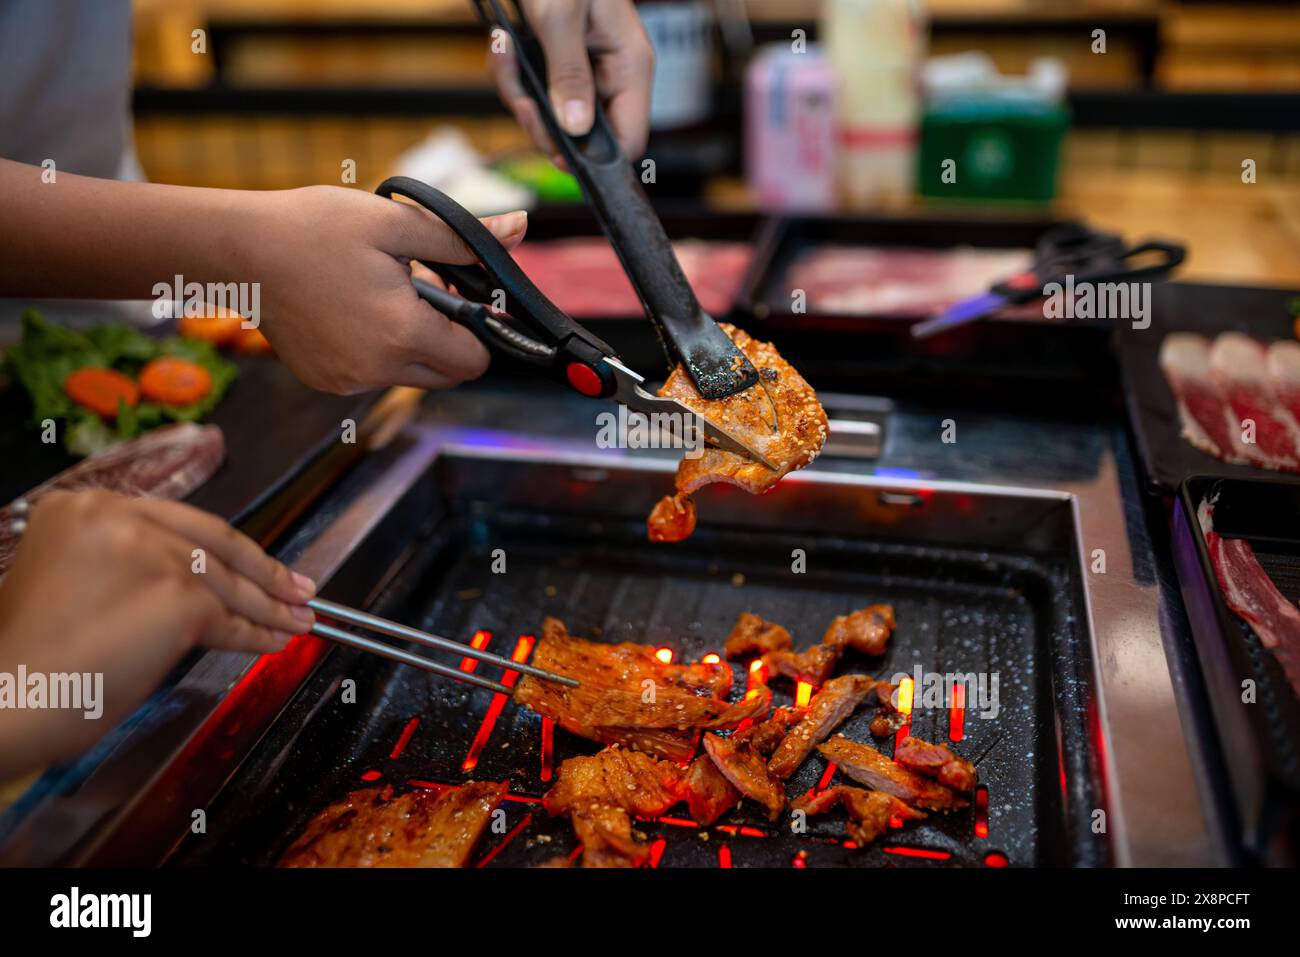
point(957, 611)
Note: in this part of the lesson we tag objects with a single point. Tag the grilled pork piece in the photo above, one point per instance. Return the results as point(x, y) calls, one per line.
point(747, 772)
point(752, 634)
point(866, 765)
point(613, 706)
point(936, 761)
point(813, 665)
point(672, 519)
point(870, 812)
point(835, 701)
point(888, 718)
point(631, 780)
point(605, 832)
point(709, 795)
point(766, 736)
point(779, 416)
point(372, 828)
point(1252, 595)
point(866, 630)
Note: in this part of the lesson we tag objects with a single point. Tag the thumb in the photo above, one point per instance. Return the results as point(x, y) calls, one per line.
point(423, 236)
point(568, 68)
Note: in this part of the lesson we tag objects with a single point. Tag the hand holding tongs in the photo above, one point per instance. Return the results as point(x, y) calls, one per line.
point(1068, 250)
point(385, 627)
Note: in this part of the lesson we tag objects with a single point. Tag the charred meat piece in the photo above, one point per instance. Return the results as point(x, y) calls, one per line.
point(834, 701)
point(813, 665)
point(752, 634)
point(374, 828)
point(631, 780)
point(611, 705)
point(747, 772)
point(605, 832)
point(779, 416)
point(866, 630)
point(672, 519)
point(709, 795)
point(870, 812)
point(766, 736)
point(866, 765)
point(888, 719)
point(936, 761)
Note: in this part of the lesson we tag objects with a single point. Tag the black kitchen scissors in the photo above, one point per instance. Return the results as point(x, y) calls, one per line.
point(1089, 256)
point(530, 327)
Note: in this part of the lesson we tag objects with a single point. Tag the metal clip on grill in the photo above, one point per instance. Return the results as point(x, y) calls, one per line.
point(385, 627)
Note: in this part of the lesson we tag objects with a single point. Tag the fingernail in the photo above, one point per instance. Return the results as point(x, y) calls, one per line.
point(577, 117)
point(306, 587)
point(303, 614)
point(508, 224)
point(280, 639)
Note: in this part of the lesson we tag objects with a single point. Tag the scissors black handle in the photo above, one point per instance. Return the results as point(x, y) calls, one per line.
point(689, 335)
point(1090, 257)
point(551, 342)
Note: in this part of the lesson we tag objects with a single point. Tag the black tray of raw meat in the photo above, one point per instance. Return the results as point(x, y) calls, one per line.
point(1260, 741)
point(1167, 457)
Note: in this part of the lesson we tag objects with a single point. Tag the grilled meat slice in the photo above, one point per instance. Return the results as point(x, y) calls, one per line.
point(866, 765)
point(611, 705)
point(631, 780)
point(779, 416)
point(936, 761)
point(754, 635)
point(813, 665)
point(829, 707)
point(709, 795)
point(605, 832)
point(374, 828)
point(672, 519)
point(870, 812)
point(747, 772)
point(765, 736)
point(865, 630)
point(888, 718)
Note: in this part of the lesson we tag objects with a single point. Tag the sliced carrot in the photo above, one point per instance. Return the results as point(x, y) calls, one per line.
point(100, 390)
point(174, 381)
point(221, 328)
point(251, 342)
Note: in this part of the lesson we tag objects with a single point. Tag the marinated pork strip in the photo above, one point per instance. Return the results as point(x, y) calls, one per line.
point(1252, 595)
point(709, 794)
point(1239, 367)
point(605, 833)
point(672, 519)
point(936, 761)
point(752, 634)
point(813, 665)
point(829, 707)
point(609, 707)
point(866, 765)
point(866, 630)
point(779, 416)
point(747, 772)
point(373, 828)
point(870, 812)
point(169, 462)
point(631, 780)
point(1207, 420)
point(765, 737)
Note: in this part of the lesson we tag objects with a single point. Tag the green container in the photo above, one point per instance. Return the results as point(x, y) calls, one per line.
point(1004, 148)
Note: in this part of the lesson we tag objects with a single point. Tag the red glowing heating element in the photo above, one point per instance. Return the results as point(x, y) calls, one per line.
point(548, 748)
point(724, 856)
point(371, 776)
point(665, 655)
point(996, 859)
point(981, 811)
point(957, 713)
point(523, 648)
point(657, 851)
point(480, 641)
point(800, 859)
point(905, 694)
point(756, 678)
point(404, 738)
point(802, 694)
point(710, 659)
point(921, 852)
point(514, 833)
point(829, 773)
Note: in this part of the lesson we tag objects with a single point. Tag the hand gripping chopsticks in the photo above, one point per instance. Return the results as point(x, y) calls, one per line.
point(385, 627)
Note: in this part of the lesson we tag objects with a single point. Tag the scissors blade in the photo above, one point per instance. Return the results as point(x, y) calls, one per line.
point(632, 393)
point(965, 312)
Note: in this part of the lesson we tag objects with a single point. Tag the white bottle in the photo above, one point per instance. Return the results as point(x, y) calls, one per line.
point(875, 48)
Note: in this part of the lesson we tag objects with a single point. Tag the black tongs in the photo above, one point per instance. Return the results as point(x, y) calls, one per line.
point(690, 336)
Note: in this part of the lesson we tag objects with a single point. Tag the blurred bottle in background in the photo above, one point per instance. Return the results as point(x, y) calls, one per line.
point(875, 48)
point(790, 129)
point(681, 32)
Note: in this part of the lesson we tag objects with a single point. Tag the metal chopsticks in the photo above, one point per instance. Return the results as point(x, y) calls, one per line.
point(385, 627)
